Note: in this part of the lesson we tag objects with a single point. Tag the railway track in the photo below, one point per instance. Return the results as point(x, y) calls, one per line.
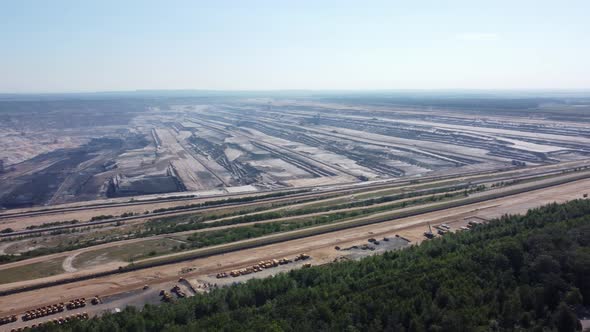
point(307, 232)
point(202, 208)
point(366, 220)
point(343, 186)
point(272, 199)
point(568, 166)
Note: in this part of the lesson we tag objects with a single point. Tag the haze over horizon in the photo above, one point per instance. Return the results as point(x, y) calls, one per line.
point(66, 46)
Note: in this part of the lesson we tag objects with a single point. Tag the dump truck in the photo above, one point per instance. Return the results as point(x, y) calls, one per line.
point(473, 223)
point(301, 257)
point(95, 300)
point(166, 297)
point(284, 261)
point(176, 289)
point(8, 319)
point(43, 311)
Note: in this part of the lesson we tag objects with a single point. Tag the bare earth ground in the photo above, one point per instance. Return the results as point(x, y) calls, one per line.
point(18, 223)
point(320, 247)
point(70, 265)
point(9, 267)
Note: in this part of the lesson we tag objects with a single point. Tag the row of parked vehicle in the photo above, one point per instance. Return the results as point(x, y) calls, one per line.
point(56, 321)
point(76, 303)
point(43, 311)
point(261, 266)
point(8, 319)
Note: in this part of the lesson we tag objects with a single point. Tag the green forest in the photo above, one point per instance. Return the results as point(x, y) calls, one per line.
point(529, 273)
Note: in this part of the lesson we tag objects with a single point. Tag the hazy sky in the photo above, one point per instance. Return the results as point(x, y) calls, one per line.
point(55, 46)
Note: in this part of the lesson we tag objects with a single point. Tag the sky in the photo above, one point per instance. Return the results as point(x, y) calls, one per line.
point(106, 45)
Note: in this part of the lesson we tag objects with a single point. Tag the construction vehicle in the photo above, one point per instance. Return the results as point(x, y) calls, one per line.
point(166, 297)
point(284, 261)
point(176, 289)
point(76, 303)
point(43, 311)
point(268, 264)
point(429, 234)
point(57, 321)
point(301, 257)
point(260, 266)
point(95, 300)
point(367, 247)
point(472, 223)
point(8, 319)
point(441, 230)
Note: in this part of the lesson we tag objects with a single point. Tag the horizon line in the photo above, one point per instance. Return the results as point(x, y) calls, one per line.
point(182, 90)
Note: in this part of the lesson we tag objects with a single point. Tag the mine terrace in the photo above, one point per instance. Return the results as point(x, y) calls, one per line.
point(119, 200)
point(81, 150)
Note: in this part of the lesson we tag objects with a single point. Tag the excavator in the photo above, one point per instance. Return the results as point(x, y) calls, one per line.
point(429, 234)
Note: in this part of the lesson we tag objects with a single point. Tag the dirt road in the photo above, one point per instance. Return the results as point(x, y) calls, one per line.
point(319, 246)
